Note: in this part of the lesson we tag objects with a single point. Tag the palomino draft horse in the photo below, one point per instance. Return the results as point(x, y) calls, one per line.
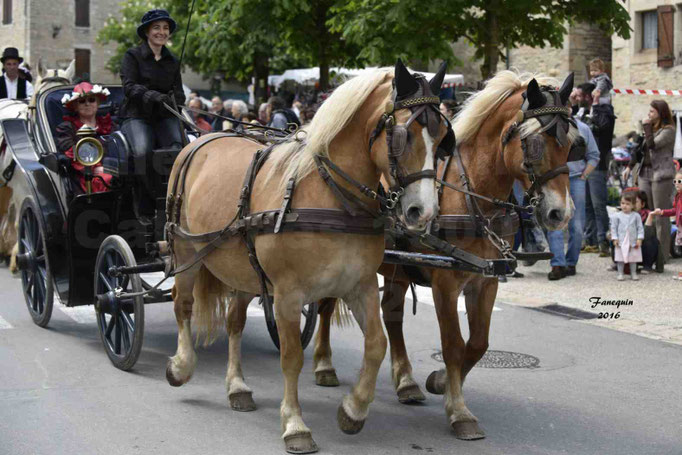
point(9, 208)
point(303, 266)
point(513, 129)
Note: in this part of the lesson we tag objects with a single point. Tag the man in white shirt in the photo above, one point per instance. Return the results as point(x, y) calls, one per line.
point(11, 85)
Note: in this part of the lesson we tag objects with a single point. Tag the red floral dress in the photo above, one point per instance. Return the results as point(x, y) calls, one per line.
point(66, 139)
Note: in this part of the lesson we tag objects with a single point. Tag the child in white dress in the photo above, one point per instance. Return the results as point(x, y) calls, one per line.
point(627, 233)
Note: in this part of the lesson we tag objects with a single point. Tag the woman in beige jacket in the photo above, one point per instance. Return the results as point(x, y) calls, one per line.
point(657, 169)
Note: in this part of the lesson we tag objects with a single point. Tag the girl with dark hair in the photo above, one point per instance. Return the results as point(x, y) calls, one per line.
point(657, 168)
point(650, 243)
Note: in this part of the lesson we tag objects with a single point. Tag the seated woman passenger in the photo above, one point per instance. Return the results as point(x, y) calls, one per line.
point(82, 105)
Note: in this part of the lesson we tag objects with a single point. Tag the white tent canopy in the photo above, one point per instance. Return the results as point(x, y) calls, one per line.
point(308, 76)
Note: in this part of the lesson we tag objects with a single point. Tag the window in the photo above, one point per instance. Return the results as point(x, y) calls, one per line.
point(649, 30)
point(82, 13)
point(6, 11)
point(83, 63)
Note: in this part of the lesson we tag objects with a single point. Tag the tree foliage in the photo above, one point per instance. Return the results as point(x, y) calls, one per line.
point(246, 38)
point(489, 25)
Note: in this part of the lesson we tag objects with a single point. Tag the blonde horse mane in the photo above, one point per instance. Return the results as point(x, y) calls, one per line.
point(295, 159)
point(482, 104)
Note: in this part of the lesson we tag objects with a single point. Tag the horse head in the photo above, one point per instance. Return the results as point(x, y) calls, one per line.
point(536, 141)
point(406, 140)
point(48, 78)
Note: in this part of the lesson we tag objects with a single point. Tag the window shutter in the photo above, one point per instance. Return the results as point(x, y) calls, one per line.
point(666, 57)
point(7, 11)
point(82, 13)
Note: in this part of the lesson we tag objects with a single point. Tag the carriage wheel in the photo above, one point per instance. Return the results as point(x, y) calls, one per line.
point(308, 322)
point(36, 278)
point(120, 320)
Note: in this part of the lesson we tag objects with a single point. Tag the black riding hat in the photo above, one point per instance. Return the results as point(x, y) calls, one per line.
point(11, 52)
point(153, 16)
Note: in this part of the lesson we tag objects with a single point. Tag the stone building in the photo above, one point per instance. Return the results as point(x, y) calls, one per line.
point(582, 43)
point(650, 59)
point(58, 31)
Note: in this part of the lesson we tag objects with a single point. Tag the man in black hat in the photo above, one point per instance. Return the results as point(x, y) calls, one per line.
point(11, 85)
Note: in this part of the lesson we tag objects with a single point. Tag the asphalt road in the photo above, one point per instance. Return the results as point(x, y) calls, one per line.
point(595, 391)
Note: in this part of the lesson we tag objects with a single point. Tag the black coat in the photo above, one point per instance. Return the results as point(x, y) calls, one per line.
point(601, 121)
point(147, 83)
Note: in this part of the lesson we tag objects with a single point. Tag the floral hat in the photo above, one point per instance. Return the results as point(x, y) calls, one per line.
point(83, 90)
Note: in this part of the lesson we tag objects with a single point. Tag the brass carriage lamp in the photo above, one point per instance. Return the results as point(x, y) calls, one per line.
point(88, 152)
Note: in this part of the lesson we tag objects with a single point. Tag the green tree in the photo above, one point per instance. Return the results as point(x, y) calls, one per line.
point(490, 26)
point(121, 28)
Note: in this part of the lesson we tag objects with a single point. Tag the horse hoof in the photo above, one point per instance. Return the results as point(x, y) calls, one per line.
point(170, 377)
point(243, 402)
point(411, 395)
point(300, 443)
point(326, 378)
point(435, 383)
point(468, 431)
point(347, 424)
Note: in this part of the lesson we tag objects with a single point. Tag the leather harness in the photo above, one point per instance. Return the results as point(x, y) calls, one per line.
point(358, 217)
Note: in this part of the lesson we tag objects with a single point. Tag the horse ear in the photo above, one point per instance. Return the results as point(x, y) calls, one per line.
point(566, 89)
point(70, 71)
point(437, 80)
point(41, 69)
point(534, 95)
point(405, 84)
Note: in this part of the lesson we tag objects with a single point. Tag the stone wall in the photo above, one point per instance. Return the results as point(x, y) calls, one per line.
point(586, 42)
point(550, 61)
point(582, 43)
point(14, 34)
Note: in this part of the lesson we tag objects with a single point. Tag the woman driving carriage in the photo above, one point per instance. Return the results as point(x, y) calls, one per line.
point(82, 105)
point(150, 74)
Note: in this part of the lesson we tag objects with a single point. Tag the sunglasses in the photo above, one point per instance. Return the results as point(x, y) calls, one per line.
point(89, 99)
point(677, 181)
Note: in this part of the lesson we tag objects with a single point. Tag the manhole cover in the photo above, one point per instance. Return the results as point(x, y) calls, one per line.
point(501, 359)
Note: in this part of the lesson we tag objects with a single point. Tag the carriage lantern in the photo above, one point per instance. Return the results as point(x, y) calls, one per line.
point(88, 152)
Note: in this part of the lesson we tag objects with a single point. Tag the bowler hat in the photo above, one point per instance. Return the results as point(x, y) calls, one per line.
point(11, 52)
point(153, 16)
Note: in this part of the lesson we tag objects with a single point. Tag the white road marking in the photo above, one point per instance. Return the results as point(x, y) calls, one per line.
point(4, 324)
point(80, 314)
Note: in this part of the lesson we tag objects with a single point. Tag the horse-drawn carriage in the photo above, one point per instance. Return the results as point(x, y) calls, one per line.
point(264, 236)
point(75, 245)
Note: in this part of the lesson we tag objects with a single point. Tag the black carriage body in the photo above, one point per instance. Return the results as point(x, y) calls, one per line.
point(75, 224)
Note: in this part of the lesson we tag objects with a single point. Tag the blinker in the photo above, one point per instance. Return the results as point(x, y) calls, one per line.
point(399, 140)
point(535, 148)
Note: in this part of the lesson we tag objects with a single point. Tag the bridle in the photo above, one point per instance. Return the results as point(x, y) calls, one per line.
point(424, 106)
point(555, 120)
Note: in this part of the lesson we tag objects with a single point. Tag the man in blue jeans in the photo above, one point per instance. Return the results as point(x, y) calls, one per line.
point(601, 121)
point(563, 264)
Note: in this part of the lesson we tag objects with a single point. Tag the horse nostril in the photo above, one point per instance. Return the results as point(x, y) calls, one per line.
point(413, 214)
point(555, 215)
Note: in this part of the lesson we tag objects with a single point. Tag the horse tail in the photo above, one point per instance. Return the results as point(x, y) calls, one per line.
point(210, 303)
point(342, 316)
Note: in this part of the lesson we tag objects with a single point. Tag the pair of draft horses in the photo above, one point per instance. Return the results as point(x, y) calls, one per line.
point(321, 266)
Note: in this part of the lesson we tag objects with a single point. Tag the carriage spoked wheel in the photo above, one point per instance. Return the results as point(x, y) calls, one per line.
point(308, 322)
point(120, 319)
point(36, 278)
